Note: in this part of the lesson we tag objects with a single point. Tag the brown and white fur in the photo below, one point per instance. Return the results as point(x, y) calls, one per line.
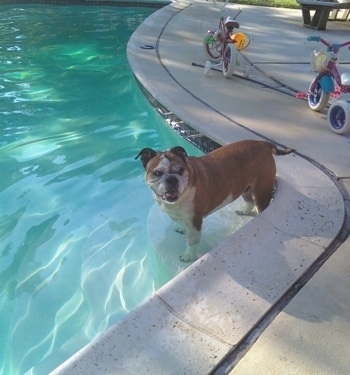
point(189, 188)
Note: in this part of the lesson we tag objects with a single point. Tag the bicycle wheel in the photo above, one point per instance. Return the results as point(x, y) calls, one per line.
point(339, 117)
point(317, 98)
point(212, 47)
point(229, 60)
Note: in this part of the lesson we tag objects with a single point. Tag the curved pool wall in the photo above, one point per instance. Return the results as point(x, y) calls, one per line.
point(216, 305)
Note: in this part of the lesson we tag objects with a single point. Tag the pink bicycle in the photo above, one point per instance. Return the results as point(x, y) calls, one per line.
point(221, 45)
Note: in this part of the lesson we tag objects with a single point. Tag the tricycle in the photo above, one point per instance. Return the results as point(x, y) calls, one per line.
point(330, 82)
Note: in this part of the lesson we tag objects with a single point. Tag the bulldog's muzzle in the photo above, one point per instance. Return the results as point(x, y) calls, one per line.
point(172, 189)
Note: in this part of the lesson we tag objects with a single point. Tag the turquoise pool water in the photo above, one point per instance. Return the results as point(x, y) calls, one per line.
point(75, 254)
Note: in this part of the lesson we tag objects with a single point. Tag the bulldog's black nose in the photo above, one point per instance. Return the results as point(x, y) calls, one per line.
point(172, 180)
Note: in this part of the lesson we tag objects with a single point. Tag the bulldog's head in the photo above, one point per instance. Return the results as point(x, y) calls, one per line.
point(166, 172)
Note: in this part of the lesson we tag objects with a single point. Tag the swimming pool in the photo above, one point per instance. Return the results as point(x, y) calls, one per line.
point(75, 255)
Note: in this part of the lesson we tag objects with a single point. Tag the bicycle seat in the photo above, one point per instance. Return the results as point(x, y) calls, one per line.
point(230, 23)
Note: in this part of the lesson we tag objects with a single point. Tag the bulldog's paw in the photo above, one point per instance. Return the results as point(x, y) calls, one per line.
point(242, 213)
point(186, 257)
point(190, 254)
point(247, 210)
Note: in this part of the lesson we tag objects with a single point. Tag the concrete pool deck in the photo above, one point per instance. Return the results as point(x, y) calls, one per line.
point(274, 297)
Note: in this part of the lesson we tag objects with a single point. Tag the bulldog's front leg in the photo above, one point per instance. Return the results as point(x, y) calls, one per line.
point(193, 239)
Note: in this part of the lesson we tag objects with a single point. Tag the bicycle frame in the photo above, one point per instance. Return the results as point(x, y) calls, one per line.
point(330, 74)
point(223, 34)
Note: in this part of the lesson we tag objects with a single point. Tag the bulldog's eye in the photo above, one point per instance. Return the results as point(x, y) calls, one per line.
point(158, 173)
point(180, 171)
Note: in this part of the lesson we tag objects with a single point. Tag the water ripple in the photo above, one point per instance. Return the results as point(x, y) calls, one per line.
point(57, 261)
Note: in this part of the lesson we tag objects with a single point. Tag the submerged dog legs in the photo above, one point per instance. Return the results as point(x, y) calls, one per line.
point(249, 202)
point(193, 239)
point(248, 207)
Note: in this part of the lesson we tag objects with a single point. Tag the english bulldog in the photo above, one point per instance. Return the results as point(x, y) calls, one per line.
point(189, 188)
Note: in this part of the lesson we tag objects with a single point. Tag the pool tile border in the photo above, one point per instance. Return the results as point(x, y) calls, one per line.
point(180, 127)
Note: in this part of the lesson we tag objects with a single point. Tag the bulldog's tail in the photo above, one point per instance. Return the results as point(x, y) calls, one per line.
point(277, 151)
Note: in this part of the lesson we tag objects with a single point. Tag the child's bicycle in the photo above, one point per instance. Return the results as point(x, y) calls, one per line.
point(330, 82)
point(221, 45)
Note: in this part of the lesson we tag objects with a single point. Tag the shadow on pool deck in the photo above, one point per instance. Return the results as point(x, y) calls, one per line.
point(272, 298)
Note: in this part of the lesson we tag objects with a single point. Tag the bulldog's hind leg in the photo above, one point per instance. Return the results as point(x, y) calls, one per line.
point(249, 202)
point(263, 195)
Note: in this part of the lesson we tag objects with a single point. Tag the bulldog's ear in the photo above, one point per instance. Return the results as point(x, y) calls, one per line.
point(146, 155)
point(179, 151)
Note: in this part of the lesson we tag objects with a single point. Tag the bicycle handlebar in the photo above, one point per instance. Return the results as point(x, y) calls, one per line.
point(336, 46)
point(313, 38)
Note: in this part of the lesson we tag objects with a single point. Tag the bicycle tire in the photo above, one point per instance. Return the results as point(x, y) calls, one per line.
point(319, 98)
point(339, 117)
point(212, 47)
point(229, 60)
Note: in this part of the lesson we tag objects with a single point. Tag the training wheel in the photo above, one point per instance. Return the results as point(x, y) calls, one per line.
point(339, 117)
point(207, 68)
